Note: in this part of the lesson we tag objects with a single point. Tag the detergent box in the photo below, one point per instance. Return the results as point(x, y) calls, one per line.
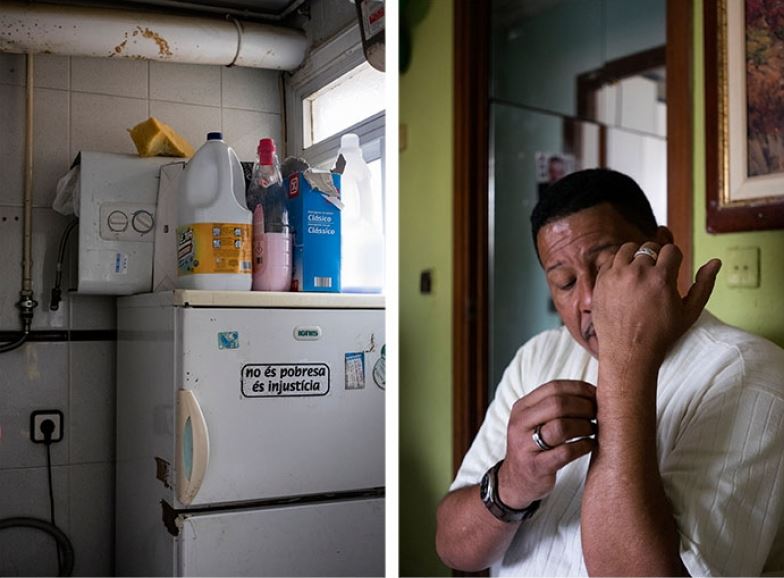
point(314, 216)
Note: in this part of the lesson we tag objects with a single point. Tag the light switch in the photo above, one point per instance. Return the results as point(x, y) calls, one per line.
point(743, 267)
point(426, 282)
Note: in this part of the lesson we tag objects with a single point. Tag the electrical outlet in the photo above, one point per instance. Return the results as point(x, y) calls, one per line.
point(38, 417)
point(743, 267)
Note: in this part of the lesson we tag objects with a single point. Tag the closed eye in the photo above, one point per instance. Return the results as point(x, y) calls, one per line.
point(566, 286)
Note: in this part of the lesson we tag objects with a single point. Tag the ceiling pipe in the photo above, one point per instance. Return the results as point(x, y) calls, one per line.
point(98, 32)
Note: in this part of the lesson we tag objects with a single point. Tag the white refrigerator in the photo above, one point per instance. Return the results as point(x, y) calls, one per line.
point(250, 434)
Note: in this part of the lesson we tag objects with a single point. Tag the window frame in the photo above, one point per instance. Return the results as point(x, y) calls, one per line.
point(325, 64)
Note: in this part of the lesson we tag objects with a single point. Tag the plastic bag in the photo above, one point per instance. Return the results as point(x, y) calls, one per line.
point(66, 202)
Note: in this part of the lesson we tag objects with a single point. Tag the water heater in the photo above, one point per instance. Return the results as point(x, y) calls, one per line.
point(117, 217)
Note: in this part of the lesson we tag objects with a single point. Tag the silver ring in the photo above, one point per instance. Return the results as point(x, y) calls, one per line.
point(537, 437)
point(648, 252)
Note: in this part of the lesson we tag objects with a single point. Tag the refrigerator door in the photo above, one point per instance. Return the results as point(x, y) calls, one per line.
point(341, 538)
point(278, 402)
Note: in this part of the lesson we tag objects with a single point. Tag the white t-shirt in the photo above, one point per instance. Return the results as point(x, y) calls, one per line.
point(720, 444)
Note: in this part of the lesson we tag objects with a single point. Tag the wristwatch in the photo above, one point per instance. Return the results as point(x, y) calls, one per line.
point(488, 490)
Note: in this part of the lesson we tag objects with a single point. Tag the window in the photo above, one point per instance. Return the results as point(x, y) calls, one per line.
point(336, 92)
point(348, 100)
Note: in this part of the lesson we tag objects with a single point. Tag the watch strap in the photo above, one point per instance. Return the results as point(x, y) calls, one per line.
point(488, 490)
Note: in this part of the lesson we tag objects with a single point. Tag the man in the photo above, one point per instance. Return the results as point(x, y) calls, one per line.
point(685, 472)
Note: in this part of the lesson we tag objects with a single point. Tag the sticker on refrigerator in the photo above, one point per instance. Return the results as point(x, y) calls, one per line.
point(380, 369)
point(285, 380)
point(355, 370)
point(229, 340)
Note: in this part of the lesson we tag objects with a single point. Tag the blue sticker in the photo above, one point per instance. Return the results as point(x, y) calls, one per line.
point(229, 340)
point(355, 370)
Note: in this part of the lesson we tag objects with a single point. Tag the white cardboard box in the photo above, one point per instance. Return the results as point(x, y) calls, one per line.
point(164, 269)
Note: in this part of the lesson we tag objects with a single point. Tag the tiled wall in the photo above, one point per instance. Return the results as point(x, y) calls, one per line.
point(85, 104)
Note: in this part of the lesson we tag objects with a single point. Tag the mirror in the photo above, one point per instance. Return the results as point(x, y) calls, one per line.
point(574, 84)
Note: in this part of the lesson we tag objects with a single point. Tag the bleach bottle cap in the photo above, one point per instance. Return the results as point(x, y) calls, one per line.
point(265, 151)
point(349, 141)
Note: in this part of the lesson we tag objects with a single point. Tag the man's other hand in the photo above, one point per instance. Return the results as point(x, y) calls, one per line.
point(638, 313)
point(563, 410)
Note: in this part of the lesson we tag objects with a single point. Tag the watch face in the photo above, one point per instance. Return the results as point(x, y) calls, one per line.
point(484, 488)
point(488, 493)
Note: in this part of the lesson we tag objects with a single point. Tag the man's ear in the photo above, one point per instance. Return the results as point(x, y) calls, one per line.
point(663, 236)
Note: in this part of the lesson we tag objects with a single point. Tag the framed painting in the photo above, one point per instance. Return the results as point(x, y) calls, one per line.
point(744, 114)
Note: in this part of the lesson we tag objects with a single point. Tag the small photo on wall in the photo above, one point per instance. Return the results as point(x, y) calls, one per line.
point(550, 167)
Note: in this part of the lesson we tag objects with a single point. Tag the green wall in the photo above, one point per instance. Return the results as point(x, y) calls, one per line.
point(759, 310)
point(426, 320)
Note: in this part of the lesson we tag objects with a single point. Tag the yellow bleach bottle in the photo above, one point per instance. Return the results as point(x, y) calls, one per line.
point(214, 225)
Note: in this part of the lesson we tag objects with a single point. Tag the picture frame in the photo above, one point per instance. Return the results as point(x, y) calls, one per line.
point(744, 153)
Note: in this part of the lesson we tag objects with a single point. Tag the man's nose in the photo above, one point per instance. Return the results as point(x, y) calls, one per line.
point(585, 292)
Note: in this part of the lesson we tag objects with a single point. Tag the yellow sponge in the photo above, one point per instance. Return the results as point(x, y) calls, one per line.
point(154, 138)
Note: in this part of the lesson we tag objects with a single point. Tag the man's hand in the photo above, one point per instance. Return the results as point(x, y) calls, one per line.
point(563, 410)
point(468, 536)
point(638, 313)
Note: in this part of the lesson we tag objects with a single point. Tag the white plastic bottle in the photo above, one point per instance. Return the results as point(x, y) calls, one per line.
point(213, 221)
point(362, 242)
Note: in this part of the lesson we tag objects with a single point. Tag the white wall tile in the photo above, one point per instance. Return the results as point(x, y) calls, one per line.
point(25, 493)
point(101, 123)
point(50, 141)
point(92, 311)
point(91, 521)
point(47, 228)
point(12, 69)
point(251, 89)
point(34, 376)
point(50, 71)
point(191, 121)
point(185, 83)
point(242, 130)
point(12, 126)
point(92, 395)
point(112, 76)
point(10, 257)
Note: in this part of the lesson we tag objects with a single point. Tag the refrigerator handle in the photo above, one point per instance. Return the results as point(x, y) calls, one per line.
point(193, 446)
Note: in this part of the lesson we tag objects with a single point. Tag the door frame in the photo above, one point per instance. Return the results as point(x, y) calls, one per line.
point(470, 307)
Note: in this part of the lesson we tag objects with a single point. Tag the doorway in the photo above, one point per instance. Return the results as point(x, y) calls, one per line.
point(514, 128)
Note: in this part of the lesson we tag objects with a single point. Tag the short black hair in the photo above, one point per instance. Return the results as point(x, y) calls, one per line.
point(588, 188)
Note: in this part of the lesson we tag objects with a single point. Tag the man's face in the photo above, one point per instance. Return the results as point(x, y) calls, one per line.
point(572, 250)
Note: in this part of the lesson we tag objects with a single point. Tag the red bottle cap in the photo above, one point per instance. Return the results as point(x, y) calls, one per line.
point(266, 150)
